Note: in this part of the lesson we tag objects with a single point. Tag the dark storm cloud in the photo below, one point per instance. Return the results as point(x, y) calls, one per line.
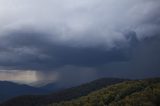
point(144, 62)
point(32, 50)
point(73, 37)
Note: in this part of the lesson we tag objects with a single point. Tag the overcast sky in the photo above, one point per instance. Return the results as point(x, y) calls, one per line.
point(80, 40)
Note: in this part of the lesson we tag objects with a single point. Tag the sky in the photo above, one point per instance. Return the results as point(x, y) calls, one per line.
point(74, 41)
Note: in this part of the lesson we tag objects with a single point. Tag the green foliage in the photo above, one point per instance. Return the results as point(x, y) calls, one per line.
point(65, 95)
point(150, 96)
point(130, 93)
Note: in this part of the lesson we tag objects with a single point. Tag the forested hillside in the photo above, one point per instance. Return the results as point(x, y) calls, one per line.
point(64, 95)
point(102, 92)
point(130, 93)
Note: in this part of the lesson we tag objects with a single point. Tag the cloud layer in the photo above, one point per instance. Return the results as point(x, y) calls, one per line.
point(82, 22)
point(109, 37)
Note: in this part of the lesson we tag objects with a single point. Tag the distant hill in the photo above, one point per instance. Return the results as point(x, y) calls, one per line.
point(64, 95)
point(130, 93)
point(52, 87)
point(102, 92)
point(9, 90)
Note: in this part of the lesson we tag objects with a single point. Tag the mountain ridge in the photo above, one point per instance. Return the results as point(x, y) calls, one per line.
point(67, 94)
point(128, 93)
point(9, 90)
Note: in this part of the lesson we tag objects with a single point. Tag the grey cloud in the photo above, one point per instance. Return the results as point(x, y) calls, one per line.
point(74, 75)
point(82, 23)
point(144, 61)
point(30, 50)
point(110, 37)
